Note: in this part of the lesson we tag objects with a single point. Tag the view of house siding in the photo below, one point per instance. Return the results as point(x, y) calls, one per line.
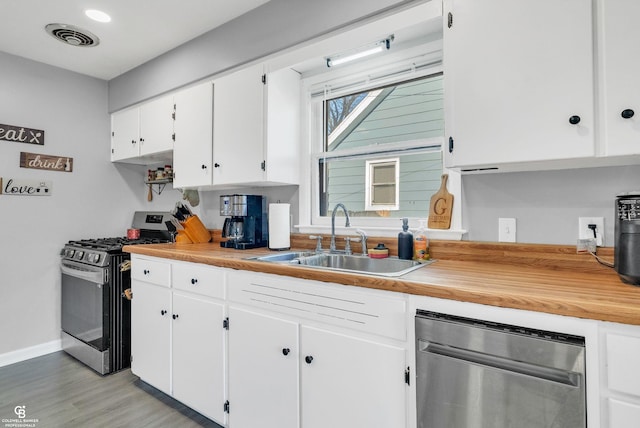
point(407, 112)
point(410, 111)
point(419, 179)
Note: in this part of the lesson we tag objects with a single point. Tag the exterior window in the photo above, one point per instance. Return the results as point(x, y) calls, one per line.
point(382, 149)
point(382, 185)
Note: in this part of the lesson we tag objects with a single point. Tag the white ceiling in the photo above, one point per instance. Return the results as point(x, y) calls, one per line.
point(139, 30)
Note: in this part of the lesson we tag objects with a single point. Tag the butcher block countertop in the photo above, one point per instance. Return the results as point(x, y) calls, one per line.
point(536, 277)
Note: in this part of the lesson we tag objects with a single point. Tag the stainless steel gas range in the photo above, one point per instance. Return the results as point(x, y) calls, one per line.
point(96, 314)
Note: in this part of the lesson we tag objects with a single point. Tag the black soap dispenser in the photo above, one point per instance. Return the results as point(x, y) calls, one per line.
point(405, 241)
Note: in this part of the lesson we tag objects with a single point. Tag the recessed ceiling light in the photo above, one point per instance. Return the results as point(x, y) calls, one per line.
point(97, 15)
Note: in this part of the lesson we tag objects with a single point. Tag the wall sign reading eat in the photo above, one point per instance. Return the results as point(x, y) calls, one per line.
point(50, 163)
point(13, 186)
point(20, 134)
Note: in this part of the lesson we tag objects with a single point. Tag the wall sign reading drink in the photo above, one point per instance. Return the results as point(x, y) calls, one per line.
point(20, 134)
point(13, 186)
point(50, 163)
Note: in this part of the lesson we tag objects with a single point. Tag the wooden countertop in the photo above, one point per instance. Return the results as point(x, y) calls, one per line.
point(510, 276)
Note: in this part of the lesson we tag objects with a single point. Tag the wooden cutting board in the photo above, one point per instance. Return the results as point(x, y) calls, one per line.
point(440, 207)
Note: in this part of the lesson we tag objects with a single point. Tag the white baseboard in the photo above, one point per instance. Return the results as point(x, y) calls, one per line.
point(30, 352)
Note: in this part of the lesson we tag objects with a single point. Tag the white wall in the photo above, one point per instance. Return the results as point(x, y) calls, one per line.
point(97, 199)
point(545, 204)
point(270, 28)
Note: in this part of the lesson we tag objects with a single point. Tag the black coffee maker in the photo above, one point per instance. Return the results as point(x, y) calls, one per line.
point(627, 235)
point(246, 226)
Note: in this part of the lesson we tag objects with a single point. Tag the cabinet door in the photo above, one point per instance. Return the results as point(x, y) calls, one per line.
point(623, 372)
point(283, 127)
point(156, 126)
point(198, 355)
point(263, 371)
point(124, 134)
point(239, 127)
point(349, 382)
point(516, 72)
point(192, 150)
point(620, 89)
point(150, 334)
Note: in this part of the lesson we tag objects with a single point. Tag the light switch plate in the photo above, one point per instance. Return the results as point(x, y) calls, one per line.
point(506, 230)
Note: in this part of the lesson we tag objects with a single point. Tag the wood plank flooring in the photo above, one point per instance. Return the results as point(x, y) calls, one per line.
point(59, 391)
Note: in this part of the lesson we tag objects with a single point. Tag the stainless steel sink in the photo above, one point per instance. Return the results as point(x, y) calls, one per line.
point(290, 257)
point(391, 266)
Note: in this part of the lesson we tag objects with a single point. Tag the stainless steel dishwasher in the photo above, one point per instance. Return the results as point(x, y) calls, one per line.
point(478, 374)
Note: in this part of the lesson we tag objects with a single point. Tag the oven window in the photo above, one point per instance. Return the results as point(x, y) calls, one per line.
point(85, 311)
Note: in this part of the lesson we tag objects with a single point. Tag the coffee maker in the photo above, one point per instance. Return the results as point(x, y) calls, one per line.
point(246, 226)
point(627, 236)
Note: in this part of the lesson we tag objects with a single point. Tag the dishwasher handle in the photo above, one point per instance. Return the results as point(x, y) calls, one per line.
point(546, 373)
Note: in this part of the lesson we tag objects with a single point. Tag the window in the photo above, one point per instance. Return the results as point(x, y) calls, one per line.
point(382, 185)
point(381, 154)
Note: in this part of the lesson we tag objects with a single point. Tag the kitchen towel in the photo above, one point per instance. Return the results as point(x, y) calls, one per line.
point(279, 228)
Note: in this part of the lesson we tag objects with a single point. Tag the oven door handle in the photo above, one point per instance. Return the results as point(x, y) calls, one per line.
point(96, 276)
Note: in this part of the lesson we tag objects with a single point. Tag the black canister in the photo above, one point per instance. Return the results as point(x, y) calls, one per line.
point(405, 241)
point(627, 237)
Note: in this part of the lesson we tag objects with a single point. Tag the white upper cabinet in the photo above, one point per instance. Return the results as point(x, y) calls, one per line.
point(125, 130)
point(620, 69)
point(256, 119)
point(143, 134)
point(156, 126)
point(518, 81)
point(192, 150)
point(238, 126)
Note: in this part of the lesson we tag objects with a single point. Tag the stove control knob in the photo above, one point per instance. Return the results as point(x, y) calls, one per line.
point(70, 253)
point(79, 255)
point(96, 258)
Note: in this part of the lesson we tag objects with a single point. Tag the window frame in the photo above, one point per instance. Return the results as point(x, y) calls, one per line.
point(318, 88)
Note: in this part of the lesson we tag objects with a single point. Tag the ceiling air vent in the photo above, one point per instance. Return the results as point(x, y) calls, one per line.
point(72, 35)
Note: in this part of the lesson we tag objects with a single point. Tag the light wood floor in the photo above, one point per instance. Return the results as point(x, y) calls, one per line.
point(60, 392)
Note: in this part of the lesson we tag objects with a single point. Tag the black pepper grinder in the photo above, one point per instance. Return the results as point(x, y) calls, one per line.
point(405, 241)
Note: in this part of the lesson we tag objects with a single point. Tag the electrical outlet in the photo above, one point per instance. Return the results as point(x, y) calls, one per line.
point(506, 230)
point(584, 232)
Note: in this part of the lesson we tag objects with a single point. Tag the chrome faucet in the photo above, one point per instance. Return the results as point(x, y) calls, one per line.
point(363, 239)
point(332, 245)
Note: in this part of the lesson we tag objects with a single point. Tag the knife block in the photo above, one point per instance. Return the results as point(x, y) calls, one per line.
point(195, 230)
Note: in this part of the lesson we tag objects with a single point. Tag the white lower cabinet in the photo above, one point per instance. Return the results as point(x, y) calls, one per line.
point(619, 363)
point(307, 354)
point(151, 334)
point(198, 357)
point(344, 381)
point(348, 382)
point(263, 370)
point(288, 370)
point(177, 337)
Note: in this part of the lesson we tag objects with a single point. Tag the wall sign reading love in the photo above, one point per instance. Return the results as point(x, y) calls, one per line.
point(13, 186)
point(20, 134)
point(50, 163)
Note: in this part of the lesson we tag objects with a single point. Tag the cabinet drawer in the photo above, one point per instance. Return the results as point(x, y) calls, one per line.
point(622, 363)
point(622, 414)
point(155, 272)
point(343, 306)
point(195, 278)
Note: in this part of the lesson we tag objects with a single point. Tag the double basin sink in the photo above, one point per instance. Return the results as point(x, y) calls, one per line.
point(389, 267)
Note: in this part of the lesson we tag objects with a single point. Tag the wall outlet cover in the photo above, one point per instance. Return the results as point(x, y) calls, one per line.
point(585, 233)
